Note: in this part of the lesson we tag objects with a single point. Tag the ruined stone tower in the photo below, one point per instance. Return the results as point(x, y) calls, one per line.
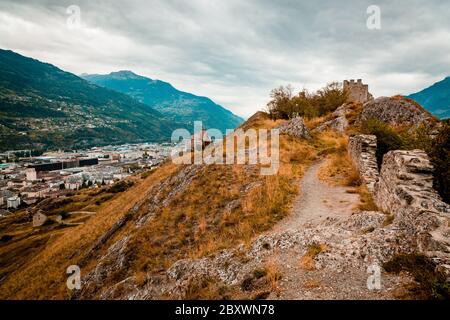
point(357, 91)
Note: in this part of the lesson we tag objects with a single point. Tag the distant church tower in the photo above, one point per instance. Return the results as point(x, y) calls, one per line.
point(357, 91)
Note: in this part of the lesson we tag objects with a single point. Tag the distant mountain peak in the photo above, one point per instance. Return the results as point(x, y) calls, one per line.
point(161, 96)
point(435, 98)
point(124, 75)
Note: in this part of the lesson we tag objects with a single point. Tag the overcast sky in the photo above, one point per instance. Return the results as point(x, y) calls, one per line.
point(236, 51)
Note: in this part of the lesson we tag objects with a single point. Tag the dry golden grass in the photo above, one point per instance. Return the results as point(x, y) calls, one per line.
point(354, 109)
point(261, 120)
point(273, 276)
point(313, 123)
point(208, 289)
point(307, 263)
point(338, 168)
point(44, 276)
point(389, 220)
point(367, 202)
point(196, 222)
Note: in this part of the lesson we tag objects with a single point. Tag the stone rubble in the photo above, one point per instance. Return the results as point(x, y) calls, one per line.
point(296, 128)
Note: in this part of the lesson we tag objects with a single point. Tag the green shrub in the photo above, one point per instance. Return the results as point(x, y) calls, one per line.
point(439, 153)
point(286, 105)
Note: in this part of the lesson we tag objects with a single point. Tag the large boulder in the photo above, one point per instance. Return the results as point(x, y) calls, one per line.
point(296, 128)
point(396, 110)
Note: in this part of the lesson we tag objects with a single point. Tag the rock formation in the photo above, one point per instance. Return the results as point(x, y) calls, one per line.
point(405, 188)
point(296, 128)
point(394, 111)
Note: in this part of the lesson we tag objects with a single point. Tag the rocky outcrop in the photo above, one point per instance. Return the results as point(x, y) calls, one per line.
point(362, 150)
point(296, 128)
point(338, 122)
point(353, 243)
point(394, 111)
point(405, 188)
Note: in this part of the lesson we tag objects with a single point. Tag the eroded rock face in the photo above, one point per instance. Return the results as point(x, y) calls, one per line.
point(394, 111)
point(362, 150)
point(296, 128)
point(405, 188)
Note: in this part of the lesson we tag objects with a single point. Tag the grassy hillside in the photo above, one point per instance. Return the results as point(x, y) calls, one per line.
point(181, 212)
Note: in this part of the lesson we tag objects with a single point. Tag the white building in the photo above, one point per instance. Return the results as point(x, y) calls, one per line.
point(4, 195)
point(13, 202)
point(31, 174)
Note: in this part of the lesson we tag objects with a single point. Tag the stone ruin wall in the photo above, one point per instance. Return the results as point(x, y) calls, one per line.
point(362, 150)
point(404, 187)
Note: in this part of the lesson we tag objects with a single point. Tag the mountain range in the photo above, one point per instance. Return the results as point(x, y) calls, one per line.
point(435, 98)
point(44, 107)
point(176, 105)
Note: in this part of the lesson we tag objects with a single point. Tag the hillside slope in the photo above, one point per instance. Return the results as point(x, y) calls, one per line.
point(42, 106)
point(164, 219)
point(435, 98)
point(224, 231)
point(177, 105)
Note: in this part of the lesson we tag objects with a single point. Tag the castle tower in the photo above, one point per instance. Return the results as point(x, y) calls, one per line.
point(357, 91)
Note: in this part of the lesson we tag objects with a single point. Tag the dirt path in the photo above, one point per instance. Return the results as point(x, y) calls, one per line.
point(319, 203)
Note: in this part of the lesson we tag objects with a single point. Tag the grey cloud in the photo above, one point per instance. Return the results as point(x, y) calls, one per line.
point(236, 51)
